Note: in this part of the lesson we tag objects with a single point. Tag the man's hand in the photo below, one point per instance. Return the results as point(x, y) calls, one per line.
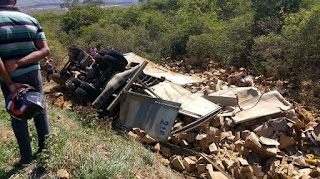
point(10, 65)
point(14, 86)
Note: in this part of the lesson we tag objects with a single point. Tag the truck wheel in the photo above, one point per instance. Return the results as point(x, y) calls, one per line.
point(89, 89)
point(76, 82)
point(114, 63)
point(98, 59)
point(92, 74)
point(118, 56)
point(71, 87)
point(81, 55)
point(103, 52)
point(82, 94)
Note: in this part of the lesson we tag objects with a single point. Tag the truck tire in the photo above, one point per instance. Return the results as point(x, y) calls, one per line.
point(118, 56)
point(89, 89)
point(114, 63)
point(92, 74)
point(98, 59)
point(103, 52)
point(76, 82)
point(81, 55)
point(82, 94)
point(71, 87)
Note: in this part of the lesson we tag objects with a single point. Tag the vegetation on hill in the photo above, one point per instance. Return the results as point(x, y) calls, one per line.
point(277, 38)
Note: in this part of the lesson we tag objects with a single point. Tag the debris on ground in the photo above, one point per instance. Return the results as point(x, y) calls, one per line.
point(206, 121)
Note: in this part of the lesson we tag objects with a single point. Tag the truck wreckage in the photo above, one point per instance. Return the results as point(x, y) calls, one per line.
point(224, 132)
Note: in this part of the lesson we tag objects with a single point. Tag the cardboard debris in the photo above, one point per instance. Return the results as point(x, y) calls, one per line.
point(254, 143)
point(213, 148)
point(148, 140)
point(177, 125)
point(268, 128)
point(156, 148)
point(178, 164)
point(189, 164)
point(233, 96)
point(166, 152)
point(201, 168)
point(139, 132)
point(189, 137)
point(133, 135)
point(211, 174)
point(268, 104)
point(174, 140)
point(223, 97)
point(192, 105)
point(268, 141)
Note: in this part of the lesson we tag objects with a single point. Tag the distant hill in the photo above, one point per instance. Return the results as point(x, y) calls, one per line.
point(38, 6)
point(22, 3)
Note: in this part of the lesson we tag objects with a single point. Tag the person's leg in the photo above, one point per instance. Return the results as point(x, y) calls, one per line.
point(41, 119)
point(21, 131)
point(48, 76)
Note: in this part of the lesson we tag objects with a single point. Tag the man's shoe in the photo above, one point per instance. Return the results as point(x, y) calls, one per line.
point(20, 163)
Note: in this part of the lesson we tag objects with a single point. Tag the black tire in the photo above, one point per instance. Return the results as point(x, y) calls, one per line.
point(92, 74)
point(76, 82)
point(89, 89)
point(103, 52)
point(114, 63)
point(75, 51)
point(118, 56)
point(71, 87)
point(98, 59)
point(81, 55)
point(83, 94)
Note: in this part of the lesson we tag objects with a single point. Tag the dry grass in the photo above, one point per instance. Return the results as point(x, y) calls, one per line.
point(84, 149)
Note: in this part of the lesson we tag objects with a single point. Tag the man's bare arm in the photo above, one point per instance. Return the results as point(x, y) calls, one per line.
point(6, 78)
point(41, 53)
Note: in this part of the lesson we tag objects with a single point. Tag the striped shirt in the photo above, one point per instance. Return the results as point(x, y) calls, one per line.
point(18, 34)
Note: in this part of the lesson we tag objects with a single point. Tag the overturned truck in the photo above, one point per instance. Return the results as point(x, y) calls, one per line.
point(95, 79)
point(151, 97)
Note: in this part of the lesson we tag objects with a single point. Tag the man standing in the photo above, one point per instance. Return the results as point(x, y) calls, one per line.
point(22, 45)
point(49, 69)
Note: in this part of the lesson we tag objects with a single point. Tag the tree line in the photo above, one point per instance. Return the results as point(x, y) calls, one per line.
point(278, 38)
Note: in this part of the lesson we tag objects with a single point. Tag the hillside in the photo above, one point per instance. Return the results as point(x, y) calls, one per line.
point(273, 43)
